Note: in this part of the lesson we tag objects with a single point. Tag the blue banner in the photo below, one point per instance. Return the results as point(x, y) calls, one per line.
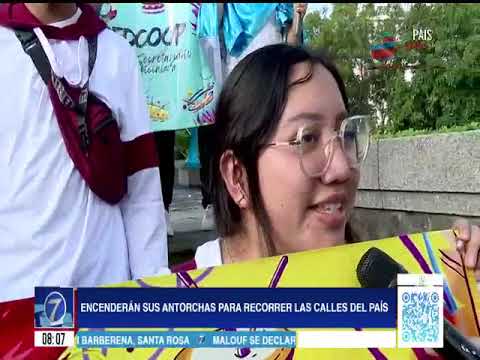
point(186, 339)
point(236, 308)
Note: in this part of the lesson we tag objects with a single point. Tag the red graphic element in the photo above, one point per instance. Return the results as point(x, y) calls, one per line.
point(153, 8)
point(387, 39)
point(112, 13)
point(17, 332)
point(418, 45)
point(386, 50)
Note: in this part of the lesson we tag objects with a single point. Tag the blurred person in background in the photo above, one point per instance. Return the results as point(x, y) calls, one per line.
point(80, 202)
point(246, 27)
point(181, 76)
point(228, 32)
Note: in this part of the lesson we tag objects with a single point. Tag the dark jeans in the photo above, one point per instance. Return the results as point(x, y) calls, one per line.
point(165, 141)
point(205, 141)
point(166, 154)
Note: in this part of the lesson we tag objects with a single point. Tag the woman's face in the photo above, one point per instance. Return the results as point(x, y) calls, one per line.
point(308, 212)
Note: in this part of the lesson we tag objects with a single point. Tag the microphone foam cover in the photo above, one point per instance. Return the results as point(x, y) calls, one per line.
point(376, 269)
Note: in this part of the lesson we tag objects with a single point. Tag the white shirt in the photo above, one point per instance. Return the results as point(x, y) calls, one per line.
point(54, 231)
point(208, 254)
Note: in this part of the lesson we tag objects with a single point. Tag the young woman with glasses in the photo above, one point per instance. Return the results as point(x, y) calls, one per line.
point(286, 160)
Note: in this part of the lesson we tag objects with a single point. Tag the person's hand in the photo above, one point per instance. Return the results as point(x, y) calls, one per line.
point(468, 236)
point(301, 8)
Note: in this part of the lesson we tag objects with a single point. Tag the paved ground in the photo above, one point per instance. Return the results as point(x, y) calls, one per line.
point(186, 213)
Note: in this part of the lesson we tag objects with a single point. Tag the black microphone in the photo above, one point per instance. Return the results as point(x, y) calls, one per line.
point(376, 269)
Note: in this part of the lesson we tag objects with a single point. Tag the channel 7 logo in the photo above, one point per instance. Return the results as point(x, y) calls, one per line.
point(53, 307)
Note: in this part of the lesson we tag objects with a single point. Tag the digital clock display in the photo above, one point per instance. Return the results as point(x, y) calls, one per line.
point(54, 338)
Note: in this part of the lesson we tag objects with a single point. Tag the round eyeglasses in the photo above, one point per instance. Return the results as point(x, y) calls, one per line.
point(316, 155)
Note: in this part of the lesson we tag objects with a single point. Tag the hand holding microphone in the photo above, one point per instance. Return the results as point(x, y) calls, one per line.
point(376, 269)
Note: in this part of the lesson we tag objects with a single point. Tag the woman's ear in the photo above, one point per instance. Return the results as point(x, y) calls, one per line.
point(235, 178)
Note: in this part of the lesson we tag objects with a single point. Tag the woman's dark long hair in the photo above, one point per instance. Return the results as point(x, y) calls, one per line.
point(248, 112)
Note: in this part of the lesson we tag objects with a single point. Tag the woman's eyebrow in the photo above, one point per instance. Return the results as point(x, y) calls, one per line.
point(314, 116)
point(310, 116)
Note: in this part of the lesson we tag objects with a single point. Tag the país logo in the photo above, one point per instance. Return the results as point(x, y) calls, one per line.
point(386, 50)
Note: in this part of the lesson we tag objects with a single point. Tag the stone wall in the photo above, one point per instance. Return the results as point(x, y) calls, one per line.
point(409, 184)
point(418, 183)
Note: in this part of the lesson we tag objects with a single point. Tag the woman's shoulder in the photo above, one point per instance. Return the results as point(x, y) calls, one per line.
point(206, 255)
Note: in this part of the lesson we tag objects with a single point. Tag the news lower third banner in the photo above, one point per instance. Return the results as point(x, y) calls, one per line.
point(236, 308)
point(241, 317)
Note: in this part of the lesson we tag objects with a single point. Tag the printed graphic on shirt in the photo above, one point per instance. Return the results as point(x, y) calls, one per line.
point(179, 85)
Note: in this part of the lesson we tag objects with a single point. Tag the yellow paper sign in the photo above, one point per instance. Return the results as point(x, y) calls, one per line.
point(431, 252)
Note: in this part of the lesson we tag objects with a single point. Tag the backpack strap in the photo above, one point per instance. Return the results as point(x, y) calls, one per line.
point(92, 53)
point(31, 45)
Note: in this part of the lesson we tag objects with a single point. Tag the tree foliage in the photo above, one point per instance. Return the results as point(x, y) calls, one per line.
point(444, 89)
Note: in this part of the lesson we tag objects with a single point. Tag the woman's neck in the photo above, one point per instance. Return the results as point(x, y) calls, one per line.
point(49, 13)
point(242, 247)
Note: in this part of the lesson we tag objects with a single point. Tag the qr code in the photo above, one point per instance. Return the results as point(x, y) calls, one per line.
point(420, 318)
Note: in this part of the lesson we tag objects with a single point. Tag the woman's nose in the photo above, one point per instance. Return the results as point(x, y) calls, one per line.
point(338, 169)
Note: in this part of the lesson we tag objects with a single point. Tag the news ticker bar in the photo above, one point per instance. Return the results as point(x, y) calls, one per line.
point(236, 308)
point(346, 339)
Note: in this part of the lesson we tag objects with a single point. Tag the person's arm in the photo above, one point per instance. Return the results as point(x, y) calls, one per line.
point(468, 236)
point(294, 35)
point(142, 207)
point(209, 22)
